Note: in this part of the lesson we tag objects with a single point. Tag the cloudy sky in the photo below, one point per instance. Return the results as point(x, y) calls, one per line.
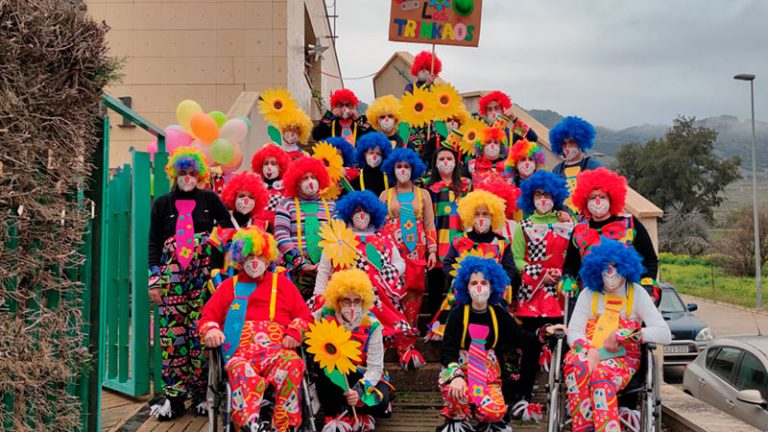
point(617, 63)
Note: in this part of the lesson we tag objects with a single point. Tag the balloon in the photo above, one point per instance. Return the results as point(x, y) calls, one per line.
point(234, 130)
point(204, 127)
point(175, 138)
point(152, 149)
point(204, 149)
point(184, 112)
point(175, 126)
point(222, 151)
point(247, 121)
point(219, 117)
point(235, 163)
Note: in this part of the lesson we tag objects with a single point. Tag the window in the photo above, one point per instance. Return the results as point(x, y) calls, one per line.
point(671, 303)
point(752, 375)
point(724, 363)
point(711, 356)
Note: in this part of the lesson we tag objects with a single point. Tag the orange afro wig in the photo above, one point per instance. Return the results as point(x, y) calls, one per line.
point(507, 192)
point(248, 182)
point(602, 179)
point(495, 96)
point(423, 60)
point(493, 134)
point(296, 171)
point(270, 151)
point(345, 96)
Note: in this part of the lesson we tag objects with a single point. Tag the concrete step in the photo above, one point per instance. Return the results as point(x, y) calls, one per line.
point(430, 351)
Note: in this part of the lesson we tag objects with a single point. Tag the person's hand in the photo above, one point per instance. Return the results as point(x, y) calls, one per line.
point(289, 342)
point(309, 268)
point(555, 328)
point(431, 260)
point(156, 295)
point(214, 338)
point(431, 79)
point(611, 343)
point(336, 112)
point(354, 115)
point(458, 389)
point(510, 114)
point(352, 397)
point(555, 275)
point(563, 216)
point(549, 278)
point(593, 359)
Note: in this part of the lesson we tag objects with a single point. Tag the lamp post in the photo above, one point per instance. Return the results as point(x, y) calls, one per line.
point(758, 275)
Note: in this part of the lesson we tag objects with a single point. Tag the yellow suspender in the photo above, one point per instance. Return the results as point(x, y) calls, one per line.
point(389, 206)
point(354, 130)
point(298, 219)
point(630, 300)
point(466, 326)
point(273, 297)
point(362, 182)
point(421, 204)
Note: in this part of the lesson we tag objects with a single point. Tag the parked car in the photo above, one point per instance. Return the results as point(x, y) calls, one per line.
point(730, 374)
point(690, 335)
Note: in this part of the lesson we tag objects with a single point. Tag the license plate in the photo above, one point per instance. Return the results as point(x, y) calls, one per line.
point(677, 349)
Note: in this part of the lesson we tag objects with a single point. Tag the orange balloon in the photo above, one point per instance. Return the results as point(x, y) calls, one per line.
point(204, 127)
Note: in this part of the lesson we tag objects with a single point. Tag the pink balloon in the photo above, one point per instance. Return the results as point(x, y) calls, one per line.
point(234, 130)
point(175, 138)
point(205, 150)
point(152, 149)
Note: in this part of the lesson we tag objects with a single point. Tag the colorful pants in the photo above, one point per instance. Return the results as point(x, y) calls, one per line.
point(261, 361)
point(185, 365)
point(492, 408)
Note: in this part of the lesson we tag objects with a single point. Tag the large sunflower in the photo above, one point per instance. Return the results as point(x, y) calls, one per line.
point(338, 243)
point(333, 161)
point(471, 132)
point(332, 192)
point(417, 108)
point(447, 101)
point(332, 346)
point(276, 105)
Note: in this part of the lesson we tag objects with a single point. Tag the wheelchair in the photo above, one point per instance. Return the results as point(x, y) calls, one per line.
point(219, 397)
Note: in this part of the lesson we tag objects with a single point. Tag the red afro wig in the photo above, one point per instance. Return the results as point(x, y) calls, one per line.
point(345, 96)
point(493, 134)
point(245, 181)
point(423, 60)
point(495, 96)
point(506, 191)
point(603, 179)
point(270, 151)
point(301, 166)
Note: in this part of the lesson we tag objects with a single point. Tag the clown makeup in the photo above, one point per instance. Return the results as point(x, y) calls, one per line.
point(571, 150)
point(387, 123)
point(493, 111)
point(445, 163)
point(291, 136)
point(361, 219)
point(492, 150)
point(345, 109)
point(309, 185)
point(543, 202)
point(612, 280)
point(453, 123)
point(244, 202)
point(423, 75)
point(254, 267)
point(270, 169)
point(187, 180)
point(598, 204)
point(482, 222)
point(351, 310)
point(479, 290)
point(526, 166)
point(373, 157)
point(403, 172)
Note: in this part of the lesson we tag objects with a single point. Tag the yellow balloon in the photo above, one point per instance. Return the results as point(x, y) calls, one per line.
point(185, 110)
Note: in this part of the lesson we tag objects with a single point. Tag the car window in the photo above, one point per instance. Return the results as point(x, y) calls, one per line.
point(711, 351)
point(724, 363)
point(671, 303)
point(752, 376)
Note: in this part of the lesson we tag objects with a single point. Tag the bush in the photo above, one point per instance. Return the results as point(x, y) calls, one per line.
point(738, 244)
point(682, 232)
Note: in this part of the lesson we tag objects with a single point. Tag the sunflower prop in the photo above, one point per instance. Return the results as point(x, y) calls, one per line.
point(331, 193)
point(447, 102)
point(276, 105)
point(471, 132)
point(471, 252)
point(331, 158)
point(332, 346)
point(338, 243)
point(417, 108)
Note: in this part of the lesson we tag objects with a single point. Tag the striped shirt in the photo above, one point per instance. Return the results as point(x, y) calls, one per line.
point(286, 224)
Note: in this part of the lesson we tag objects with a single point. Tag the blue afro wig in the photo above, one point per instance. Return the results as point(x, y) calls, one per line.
point(491, 270)
point(369, 141)
point(547, 182)
point(345, 148)
point(346, 206)
point(574, 128)
point(625, 259)
point(403, 155)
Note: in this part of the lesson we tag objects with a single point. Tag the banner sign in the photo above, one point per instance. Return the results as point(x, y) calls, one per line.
point(440, 22)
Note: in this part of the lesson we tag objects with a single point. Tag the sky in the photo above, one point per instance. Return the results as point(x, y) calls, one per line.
point(617, 63)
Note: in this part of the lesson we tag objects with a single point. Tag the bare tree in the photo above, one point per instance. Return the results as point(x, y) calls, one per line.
point(683, 232)
point(738, 244)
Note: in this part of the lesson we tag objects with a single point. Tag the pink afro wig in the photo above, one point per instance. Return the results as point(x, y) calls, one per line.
point(603, 179)
point(302, 166)
point(343, 96)
point(507, 192)
point(495, 96)
point(423, 60)
point(270, 151)
point(245, 181)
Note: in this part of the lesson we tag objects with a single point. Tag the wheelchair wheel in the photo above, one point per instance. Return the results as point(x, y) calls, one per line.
point(555, 401)
point(212, 396)
point(651, 405)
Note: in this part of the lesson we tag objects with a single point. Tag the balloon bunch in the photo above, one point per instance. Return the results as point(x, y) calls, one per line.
point(215, 135)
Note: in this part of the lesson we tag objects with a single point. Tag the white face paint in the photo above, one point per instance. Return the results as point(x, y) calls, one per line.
point(387, 124)
point(452, 124)
point(479, 289)
point(254, 268)
point(403, 174)
point(491, 151)
point(482, 224)
point(598, 206)
point(309, 187)
point(186, 182)
point(345, 113)
point(612, 280)
point(526, 168)
point(446, 166)
point(244, 205)
point(544, 205)
point(373, 159)
point(423, 75)
point(270, 172)
point(493, 116)
point(290, 137)
point(353, 315)
point(361, 220)
point(571, 153)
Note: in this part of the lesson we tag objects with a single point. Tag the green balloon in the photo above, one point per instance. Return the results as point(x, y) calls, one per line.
point(219, 117)
point(463, 7)
point(222, 151)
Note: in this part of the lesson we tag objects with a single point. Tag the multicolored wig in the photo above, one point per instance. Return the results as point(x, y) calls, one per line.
point(626, 260)
point(500, 98)
point(297, 169)
point(423, 60)
point(345, 148)
point(370, 141)
point(370, 203)
point(544, 181)
point(188, 158)
point(253, 241)
point(403, 155)
point(509, 193)
point(270, 151)
point(523, 148)
point(572, 128)
point(245, 181)
point(491, 270)
point(345, 282)
point(469, 204)
point(345, 96)
point(382, 106)
point(610, 182)
point(297, 119)
point(492, 134)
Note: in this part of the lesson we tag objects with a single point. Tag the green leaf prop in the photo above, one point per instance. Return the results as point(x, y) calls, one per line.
point(275, 135)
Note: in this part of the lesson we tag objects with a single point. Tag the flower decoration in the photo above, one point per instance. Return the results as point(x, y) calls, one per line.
point(417, 108)
point(277, 105)
point(471, 135)
point(332, 346)
point(331, 193)
point(333, 161)
point(440, 4)
point(471, 252)
point(339, 243)
point(447, 101)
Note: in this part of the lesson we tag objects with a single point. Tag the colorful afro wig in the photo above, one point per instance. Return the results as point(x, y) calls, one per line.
point(245, 181)
point(370, 203)
point(297, 119)
point(626, 260)
point(500, 98)
point(491, 270)
point(469, 204)
point(572, 128)
point(270, 151)
point(370, 141)
point(345, 149)
point(524, 148)
point(188, 158)
point(253, 241)
point(380, 107)
point(544, 181)
point(602, 179)
point(297, 170)
point(403, 155)
point(344, 96)
point(345, 282)
point(509, 193)
point(423, 60)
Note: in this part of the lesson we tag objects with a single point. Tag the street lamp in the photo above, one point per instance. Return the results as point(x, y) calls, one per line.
point(758, 276)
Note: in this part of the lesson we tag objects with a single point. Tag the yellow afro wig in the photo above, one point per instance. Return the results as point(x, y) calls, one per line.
point(382, 106)
point(343, 283)
point(298, 119)
point(475, 199)
point(253, 241)
point(188, 158)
